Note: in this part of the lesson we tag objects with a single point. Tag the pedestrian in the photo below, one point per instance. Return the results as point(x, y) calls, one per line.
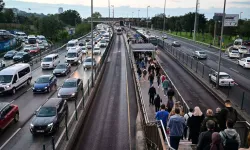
point(194, 124)
point(217, 114)
point(230, 137)
point(165, 86)
point(177, 105)
point(216, 142)
point(187, 116)
point(176, 125)
point(144, 72)
point(157, 69)
point(227, 113)
point(205, 138)
point(163, 77)
point(158, 80)
point(146, 60)
point(248, 142)
point(170, 93)
point(163, 116)
point(139, 72)
point(151, 79)
point(157, 102)
point(210, 116)
point(170, 105)
point(151, 93)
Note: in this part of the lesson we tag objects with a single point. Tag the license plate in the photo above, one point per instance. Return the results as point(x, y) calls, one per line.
point(40, 131)
point(38, 90)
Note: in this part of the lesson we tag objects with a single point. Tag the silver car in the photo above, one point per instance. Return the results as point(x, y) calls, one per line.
point(70, 89)
point(88, 63)
point(62, 69)
point(200, 55)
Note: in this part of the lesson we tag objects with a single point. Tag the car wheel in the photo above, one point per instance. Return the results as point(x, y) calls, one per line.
point(3, 65)
point(16, 118)
point(14, 91)
point(28, 82)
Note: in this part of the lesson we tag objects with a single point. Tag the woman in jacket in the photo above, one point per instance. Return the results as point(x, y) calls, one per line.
point(157, 102)
point(194, 124)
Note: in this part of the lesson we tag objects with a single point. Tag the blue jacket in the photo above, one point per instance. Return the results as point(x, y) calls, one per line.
point(176, 124)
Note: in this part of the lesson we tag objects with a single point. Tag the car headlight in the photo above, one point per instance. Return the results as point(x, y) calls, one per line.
point(45, 87)
point(73, 94)
point(63, 71)
point(50, 125)
point(8, 86)
point(58, 95)
point(31, 125)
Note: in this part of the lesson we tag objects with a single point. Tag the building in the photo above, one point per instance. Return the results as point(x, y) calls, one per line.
point(60, 10)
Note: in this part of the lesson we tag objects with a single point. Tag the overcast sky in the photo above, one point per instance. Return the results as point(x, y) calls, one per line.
point(124, 8)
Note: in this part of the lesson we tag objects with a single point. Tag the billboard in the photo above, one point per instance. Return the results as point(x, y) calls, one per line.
point(231, 20)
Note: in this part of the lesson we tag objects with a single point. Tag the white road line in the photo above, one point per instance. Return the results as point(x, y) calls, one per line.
point(6, 142)
point(234, 70)
point(12, 101)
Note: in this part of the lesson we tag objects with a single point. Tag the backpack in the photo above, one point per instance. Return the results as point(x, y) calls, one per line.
point(230, 143)
point(232, 115)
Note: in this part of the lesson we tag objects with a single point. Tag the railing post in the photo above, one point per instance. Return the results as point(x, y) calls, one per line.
point(191, 63)
point(76, 110)
point(43, 147)
point(242, 100)
point(228, 91)
point(66, 126)
point(196, 66)
point(53, 142)
point(83, 98)
point(202, 71)
point(88, 87)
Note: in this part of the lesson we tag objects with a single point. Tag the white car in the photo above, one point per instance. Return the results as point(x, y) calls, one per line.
point(45, 44)
point(102, 43)
point(2, 64)
point(243, 50)
point(96, 50)
point(244, 62)
point(41, 46)
point(27, 48)
point(74, 57)
point(84, 50)
point(224, 79)
point(233, 53)
point(50, 61)
point(164, 36)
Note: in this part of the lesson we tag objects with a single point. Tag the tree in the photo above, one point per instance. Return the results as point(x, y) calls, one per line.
point(82, 29)
point(2, 4)
point(97, 15)
point(9, 16)
point(70, 17)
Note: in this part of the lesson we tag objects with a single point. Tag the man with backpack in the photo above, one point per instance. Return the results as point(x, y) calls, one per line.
point(205, 138)
point(227, 113)
point(230, 137)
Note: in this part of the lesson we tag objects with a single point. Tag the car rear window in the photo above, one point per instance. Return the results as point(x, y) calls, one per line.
point(202, 52)
point(46, 112)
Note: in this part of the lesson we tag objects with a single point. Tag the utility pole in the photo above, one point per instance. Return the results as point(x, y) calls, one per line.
point(138, 17)
point(147, 16)
point(164, 22)
point(195, 20)
point(240, 15)
point(109, 17)
point(221, 38)
point(92, 46)
point(113, 13)
point(215, 28)
point(132, 17)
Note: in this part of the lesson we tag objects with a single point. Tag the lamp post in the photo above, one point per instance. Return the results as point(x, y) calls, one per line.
point(221, 38)
point(195, 20)
point(132, 17)
point(109, 17)
point(164, 16)
point(240, 14)
point(92, 46)
point(147, 16)
point(113, 13)
point(138, 17)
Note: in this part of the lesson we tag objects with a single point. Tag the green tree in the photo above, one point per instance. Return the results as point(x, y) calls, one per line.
point(82, 29)
point(9, 16)
point(2, 4)
point(245, 30)
point(62, 35)
point(70, 17)
point(97, 15)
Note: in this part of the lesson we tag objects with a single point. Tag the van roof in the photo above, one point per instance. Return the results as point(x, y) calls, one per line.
point(72, 50)
point(72, 41)
point(40, 36)
point(11, 70)
point(51, 55)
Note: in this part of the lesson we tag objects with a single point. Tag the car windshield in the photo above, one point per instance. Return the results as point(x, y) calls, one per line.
point(47, 59)
point(70, 44)
point(103, 41)
point(88, 60)
point(234, 51)
point(83, 48)
point(225, 77)
point(61, 66)
point(71, 55)
point(42, 80)
point(96, 48)
point(243, 48)
point(5, 78)
point(248, 60)
point(81, 44)
point(69, 84)
point(202, 52)
point(10, 52)
point(46, 112)
point(19, 54)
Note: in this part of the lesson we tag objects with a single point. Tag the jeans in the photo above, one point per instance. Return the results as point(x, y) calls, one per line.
point(174, 141)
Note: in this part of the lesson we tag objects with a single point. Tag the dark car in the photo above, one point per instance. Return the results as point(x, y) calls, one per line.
point(62, 69)
point(44, 84)
point(176, 44)
point(8, 113)
point(22, 57)
point(10, 54)
point(70, 89)
point(49, 116)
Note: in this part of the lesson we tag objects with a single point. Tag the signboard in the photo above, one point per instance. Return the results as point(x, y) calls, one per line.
point(231, 20)
point(218, 16)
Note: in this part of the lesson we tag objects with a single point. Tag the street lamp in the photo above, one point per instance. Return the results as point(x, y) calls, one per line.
point(92, 46)
point(221, 37)
point(164, 16)
point(138, 17)
point(195, 20)
point(109, 17)
point(147, 16)
point(240, 14)
point(113, 13)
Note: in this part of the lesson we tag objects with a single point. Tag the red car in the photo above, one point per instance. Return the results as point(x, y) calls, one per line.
point(8, 113)
point(34, 50)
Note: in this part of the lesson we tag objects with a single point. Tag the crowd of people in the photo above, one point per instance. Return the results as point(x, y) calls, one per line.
point(209, 131)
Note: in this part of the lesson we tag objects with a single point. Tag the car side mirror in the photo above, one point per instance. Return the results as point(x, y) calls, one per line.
point(35, 112)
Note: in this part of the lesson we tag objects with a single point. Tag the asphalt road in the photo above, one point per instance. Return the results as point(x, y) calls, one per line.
point(29, 102)
point(110, 123)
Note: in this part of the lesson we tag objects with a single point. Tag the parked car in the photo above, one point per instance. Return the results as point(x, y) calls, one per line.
point(2, 63)
point(62, 69)
point(8, 113)
point(70, 89)
point(49, 116)
point(10, 54)
point(176, 44)
point(224, 79)
point(44, 84)
point(88, 63)
point(244, 62)
point(200, 55)
point(22, 57)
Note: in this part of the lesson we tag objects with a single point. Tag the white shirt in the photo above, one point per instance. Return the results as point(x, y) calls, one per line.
point(186, 116)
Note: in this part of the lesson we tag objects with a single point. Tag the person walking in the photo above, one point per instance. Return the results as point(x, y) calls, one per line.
point(165, 86)
point(205, 138)
point(230, 137)
point(144, 72)
point(170, 93)
point(146, 60)
point(227, 113)
point(210, 116)
point(151, 79)
point(170, 105)
point(139, 72)
point(157, 69)
point(176, 125)
point(194, 124)
point(157, 102)
point(187, 116)
point(151, 93)
point(158, 80)
point(216, 142)
point(163, 78)
point(163, 116)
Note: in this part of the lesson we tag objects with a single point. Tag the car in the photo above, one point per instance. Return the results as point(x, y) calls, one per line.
point(44, 84)
point(89, 45)
point(244, 62)
point(74, 57)
point(102, 43)
point(107, 39)
point(27, 48)
point(87, 63)
point(8, 113)
point(176, 44)
point(80, 45)
point(224, 79)
point(2, 63)
point(234, 53)
point(70, 89)
point(50, 61)
point(22, 57)
point(164, 36)
point(200, 55)
point(243, 50)
point(84, 50)
point(62, 69)
point(10, 54)
point(96, 50)
point(41, 46)
point(34, 50)
point(49, 116)
point(87, 39)
point(45, 44)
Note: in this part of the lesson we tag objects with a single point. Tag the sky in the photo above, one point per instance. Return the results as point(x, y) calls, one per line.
point(124, 8)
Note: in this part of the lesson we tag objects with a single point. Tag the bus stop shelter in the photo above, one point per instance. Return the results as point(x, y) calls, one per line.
point(142, 48)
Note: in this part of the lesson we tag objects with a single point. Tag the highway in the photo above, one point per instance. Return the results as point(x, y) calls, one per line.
point(29, 102)
point(110, 123)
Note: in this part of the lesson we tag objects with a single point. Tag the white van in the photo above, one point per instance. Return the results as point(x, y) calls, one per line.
point(14, 77)
point(71, 43)
point(21, 35)
point(50, 61)
point(237, 43)
point(74, 57)
point(32, 40)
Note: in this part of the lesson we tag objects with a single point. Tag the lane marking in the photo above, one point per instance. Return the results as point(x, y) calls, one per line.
point(234, 70)
point(6, 142)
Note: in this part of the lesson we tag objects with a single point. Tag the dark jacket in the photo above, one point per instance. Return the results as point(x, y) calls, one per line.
point(151, 77)
point(152, 91)
point(205, 139)
point(139, 71)
point(204, 127)
point(157, 69)
point(157, 101)
point(224, 116)
point(170, 92)
point(194, 124)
